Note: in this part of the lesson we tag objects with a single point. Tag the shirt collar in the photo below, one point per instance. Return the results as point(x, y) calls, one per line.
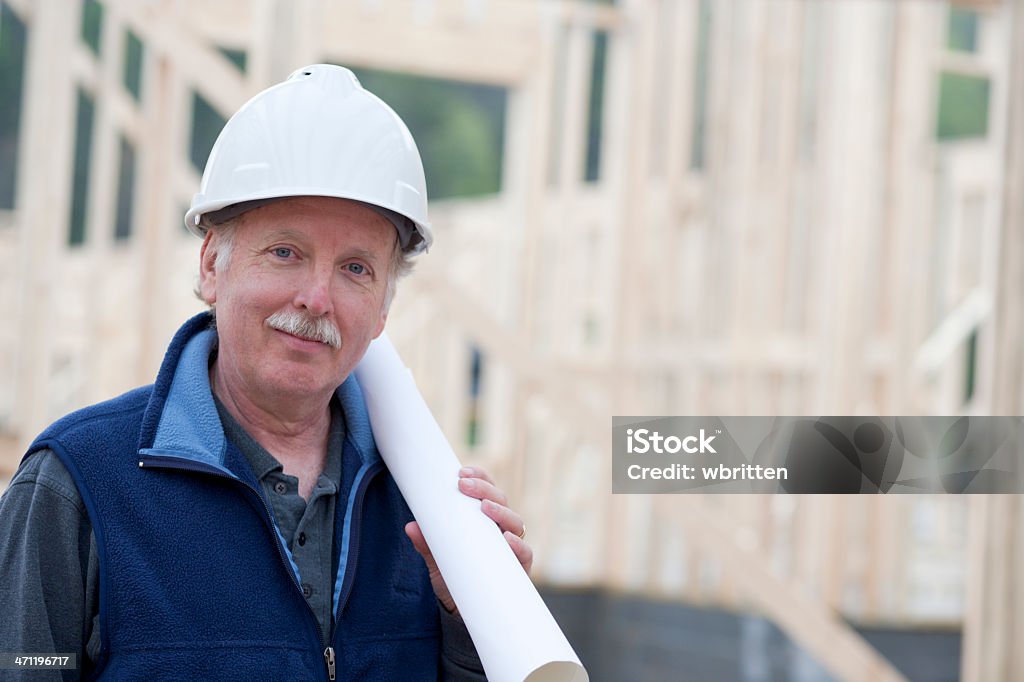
point(263, 463)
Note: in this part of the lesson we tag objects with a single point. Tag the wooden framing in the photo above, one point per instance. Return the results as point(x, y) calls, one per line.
point(828, 256)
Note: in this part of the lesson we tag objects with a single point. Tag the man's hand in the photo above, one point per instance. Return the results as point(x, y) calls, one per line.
point(476, 483)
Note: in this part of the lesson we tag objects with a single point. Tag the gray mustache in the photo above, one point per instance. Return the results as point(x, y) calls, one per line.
point(306, 326)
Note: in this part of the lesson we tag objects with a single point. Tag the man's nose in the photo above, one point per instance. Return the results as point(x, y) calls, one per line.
point(314, 294)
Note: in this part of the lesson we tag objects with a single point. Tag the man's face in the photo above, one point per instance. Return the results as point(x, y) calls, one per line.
point(315, 256)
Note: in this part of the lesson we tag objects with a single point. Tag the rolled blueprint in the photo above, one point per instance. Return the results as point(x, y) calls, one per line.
point(515, 635)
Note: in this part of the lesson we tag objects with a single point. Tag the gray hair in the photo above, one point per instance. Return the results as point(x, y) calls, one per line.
point(401, 262)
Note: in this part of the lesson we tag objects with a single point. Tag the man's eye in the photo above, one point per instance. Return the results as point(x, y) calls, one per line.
point(356, 268)
point(282, 252)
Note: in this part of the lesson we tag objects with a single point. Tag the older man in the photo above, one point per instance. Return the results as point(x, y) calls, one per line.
point(234, 520)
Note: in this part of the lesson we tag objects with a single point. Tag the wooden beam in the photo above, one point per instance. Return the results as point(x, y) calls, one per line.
point(198, 63)
point(43, 201)
point(505, 346)
point(815, 627)
point(479, 58)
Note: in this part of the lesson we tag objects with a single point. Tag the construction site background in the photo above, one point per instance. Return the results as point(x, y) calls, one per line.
point(738, 207)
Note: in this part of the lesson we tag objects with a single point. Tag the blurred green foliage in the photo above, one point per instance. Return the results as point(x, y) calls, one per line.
point(124, 219)
point(13, 37)
point(207, 122)
point(971, 366)
point(963, 30)
point(132, 76)
point(84, 120)
point(595, 110)
point(92, 24)
point(206, 126)
point(963, 106)
point(698, 134)
point(458, 127)
point(239, 58)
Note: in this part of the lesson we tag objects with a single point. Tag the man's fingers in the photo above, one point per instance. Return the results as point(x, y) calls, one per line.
point(482, 489)
point(415, 533)
point(522, 550)
point(412, 529)
point(506, 519)
point(476, 483)
point(475, 472)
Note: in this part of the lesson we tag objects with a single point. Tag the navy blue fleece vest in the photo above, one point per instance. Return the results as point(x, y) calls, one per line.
point(195, 582)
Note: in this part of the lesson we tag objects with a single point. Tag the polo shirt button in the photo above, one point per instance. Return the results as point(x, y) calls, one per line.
point(307, 591)
point(302, 539)
point(280, 488)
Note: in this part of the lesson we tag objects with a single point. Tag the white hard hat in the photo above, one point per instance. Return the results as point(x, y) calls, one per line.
point(319, 133)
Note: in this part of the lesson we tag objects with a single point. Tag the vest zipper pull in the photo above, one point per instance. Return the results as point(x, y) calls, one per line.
point(329, 657)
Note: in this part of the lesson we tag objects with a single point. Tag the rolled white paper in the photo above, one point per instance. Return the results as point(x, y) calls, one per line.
point(515, 635)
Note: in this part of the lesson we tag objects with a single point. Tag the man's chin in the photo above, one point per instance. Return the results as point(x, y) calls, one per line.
point(298, 380)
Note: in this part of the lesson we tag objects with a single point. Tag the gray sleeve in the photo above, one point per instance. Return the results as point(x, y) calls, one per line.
point(48, 568)
point(459, 660)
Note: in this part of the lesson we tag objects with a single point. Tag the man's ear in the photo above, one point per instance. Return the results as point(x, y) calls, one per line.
point(381, 322)
point(207, 272)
